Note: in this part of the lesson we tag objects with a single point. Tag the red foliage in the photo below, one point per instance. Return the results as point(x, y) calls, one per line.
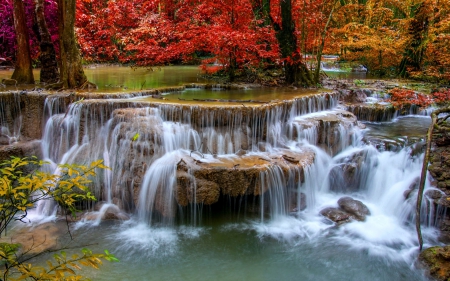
point(405, 97)
point(441, 96)
point(161, 32)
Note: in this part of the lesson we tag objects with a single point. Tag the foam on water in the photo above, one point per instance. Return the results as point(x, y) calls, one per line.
point(135, 238)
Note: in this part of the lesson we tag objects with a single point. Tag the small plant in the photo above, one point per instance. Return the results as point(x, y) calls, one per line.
point(359, 82)
point(19, 191)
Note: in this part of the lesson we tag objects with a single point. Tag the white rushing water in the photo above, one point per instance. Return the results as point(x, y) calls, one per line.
point(154, 140)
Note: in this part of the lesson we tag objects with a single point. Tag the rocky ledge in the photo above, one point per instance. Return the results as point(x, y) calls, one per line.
point(203, 180)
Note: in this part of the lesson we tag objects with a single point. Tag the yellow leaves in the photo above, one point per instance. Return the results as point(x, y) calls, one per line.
point(19, 191)
point(63, 268)
point(99, 164)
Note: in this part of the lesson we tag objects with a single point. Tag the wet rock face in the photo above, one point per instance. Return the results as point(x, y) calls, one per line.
point(349, 209)
point(437, 261)
point(439, 168)
point(23, 114)
point(372, 113)
point(330, 130)
point(297, 201)
point(356, 96)
point(346, 175)
point(21, 149)
point(137, 137)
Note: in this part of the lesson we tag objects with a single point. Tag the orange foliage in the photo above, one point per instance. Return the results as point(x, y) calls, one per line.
point(405, 97)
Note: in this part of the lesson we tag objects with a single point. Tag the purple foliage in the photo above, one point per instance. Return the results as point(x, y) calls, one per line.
point(7, 32)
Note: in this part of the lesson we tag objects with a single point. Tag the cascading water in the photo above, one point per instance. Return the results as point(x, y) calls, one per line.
point(10, 110)
point(148, 148)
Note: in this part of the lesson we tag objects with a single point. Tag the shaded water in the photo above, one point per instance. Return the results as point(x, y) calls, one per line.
point(404, 130)
point(125, 79)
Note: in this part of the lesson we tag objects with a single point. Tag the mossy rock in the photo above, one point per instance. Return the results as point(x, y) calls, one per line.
point(437, 261)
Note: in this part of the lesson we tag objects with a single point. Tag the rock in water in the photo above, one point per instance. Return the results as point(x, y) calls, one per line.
point(354, 207)
point(335, 214)
point(437, 261)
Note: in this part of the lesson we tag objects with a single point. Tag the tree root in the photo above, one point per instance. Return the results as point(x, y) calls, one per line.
point(87, 86)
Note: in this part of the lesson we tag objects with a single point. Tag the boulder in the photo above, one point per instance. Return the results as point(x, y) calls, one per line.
point(354, 207)
point(437, 262)
point(335, 214)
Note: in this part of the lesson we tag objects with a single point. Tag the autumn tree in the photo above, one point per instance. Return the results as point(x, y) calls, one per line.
point(283, 23)
point(418, 36)
point(371, 33)
point(323, 20)
point(23, 71)
point(436, 61)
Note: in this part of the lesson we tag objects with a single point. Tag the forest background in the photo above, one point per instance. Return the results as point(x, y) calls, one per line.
point(242, 37)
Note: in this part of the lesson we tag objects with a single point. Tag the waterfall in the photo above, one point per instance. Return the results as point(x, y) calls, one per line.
point(292, 159)
point(10, 118)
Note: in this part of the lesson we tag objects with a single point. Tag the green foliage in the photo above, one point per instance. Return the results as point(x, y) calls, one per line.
point(359, 82)
point(19, 191)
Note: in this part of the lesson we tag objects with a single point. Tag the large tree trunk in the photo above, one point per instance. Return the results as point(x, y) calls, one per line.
point(71, 71)
point(295, 70)
point(49, 65)
point(23, 72)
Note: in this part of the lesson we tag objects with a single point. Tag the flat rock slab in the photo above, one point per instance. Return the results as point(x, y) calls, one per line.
point(203, 180)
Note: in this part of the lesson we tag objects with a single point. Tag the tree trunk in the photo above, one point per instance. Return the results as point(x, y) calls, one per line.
point(23, 72)
point(296, 72)
point(49, 65)
point(423, 176)
point(71, 73)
